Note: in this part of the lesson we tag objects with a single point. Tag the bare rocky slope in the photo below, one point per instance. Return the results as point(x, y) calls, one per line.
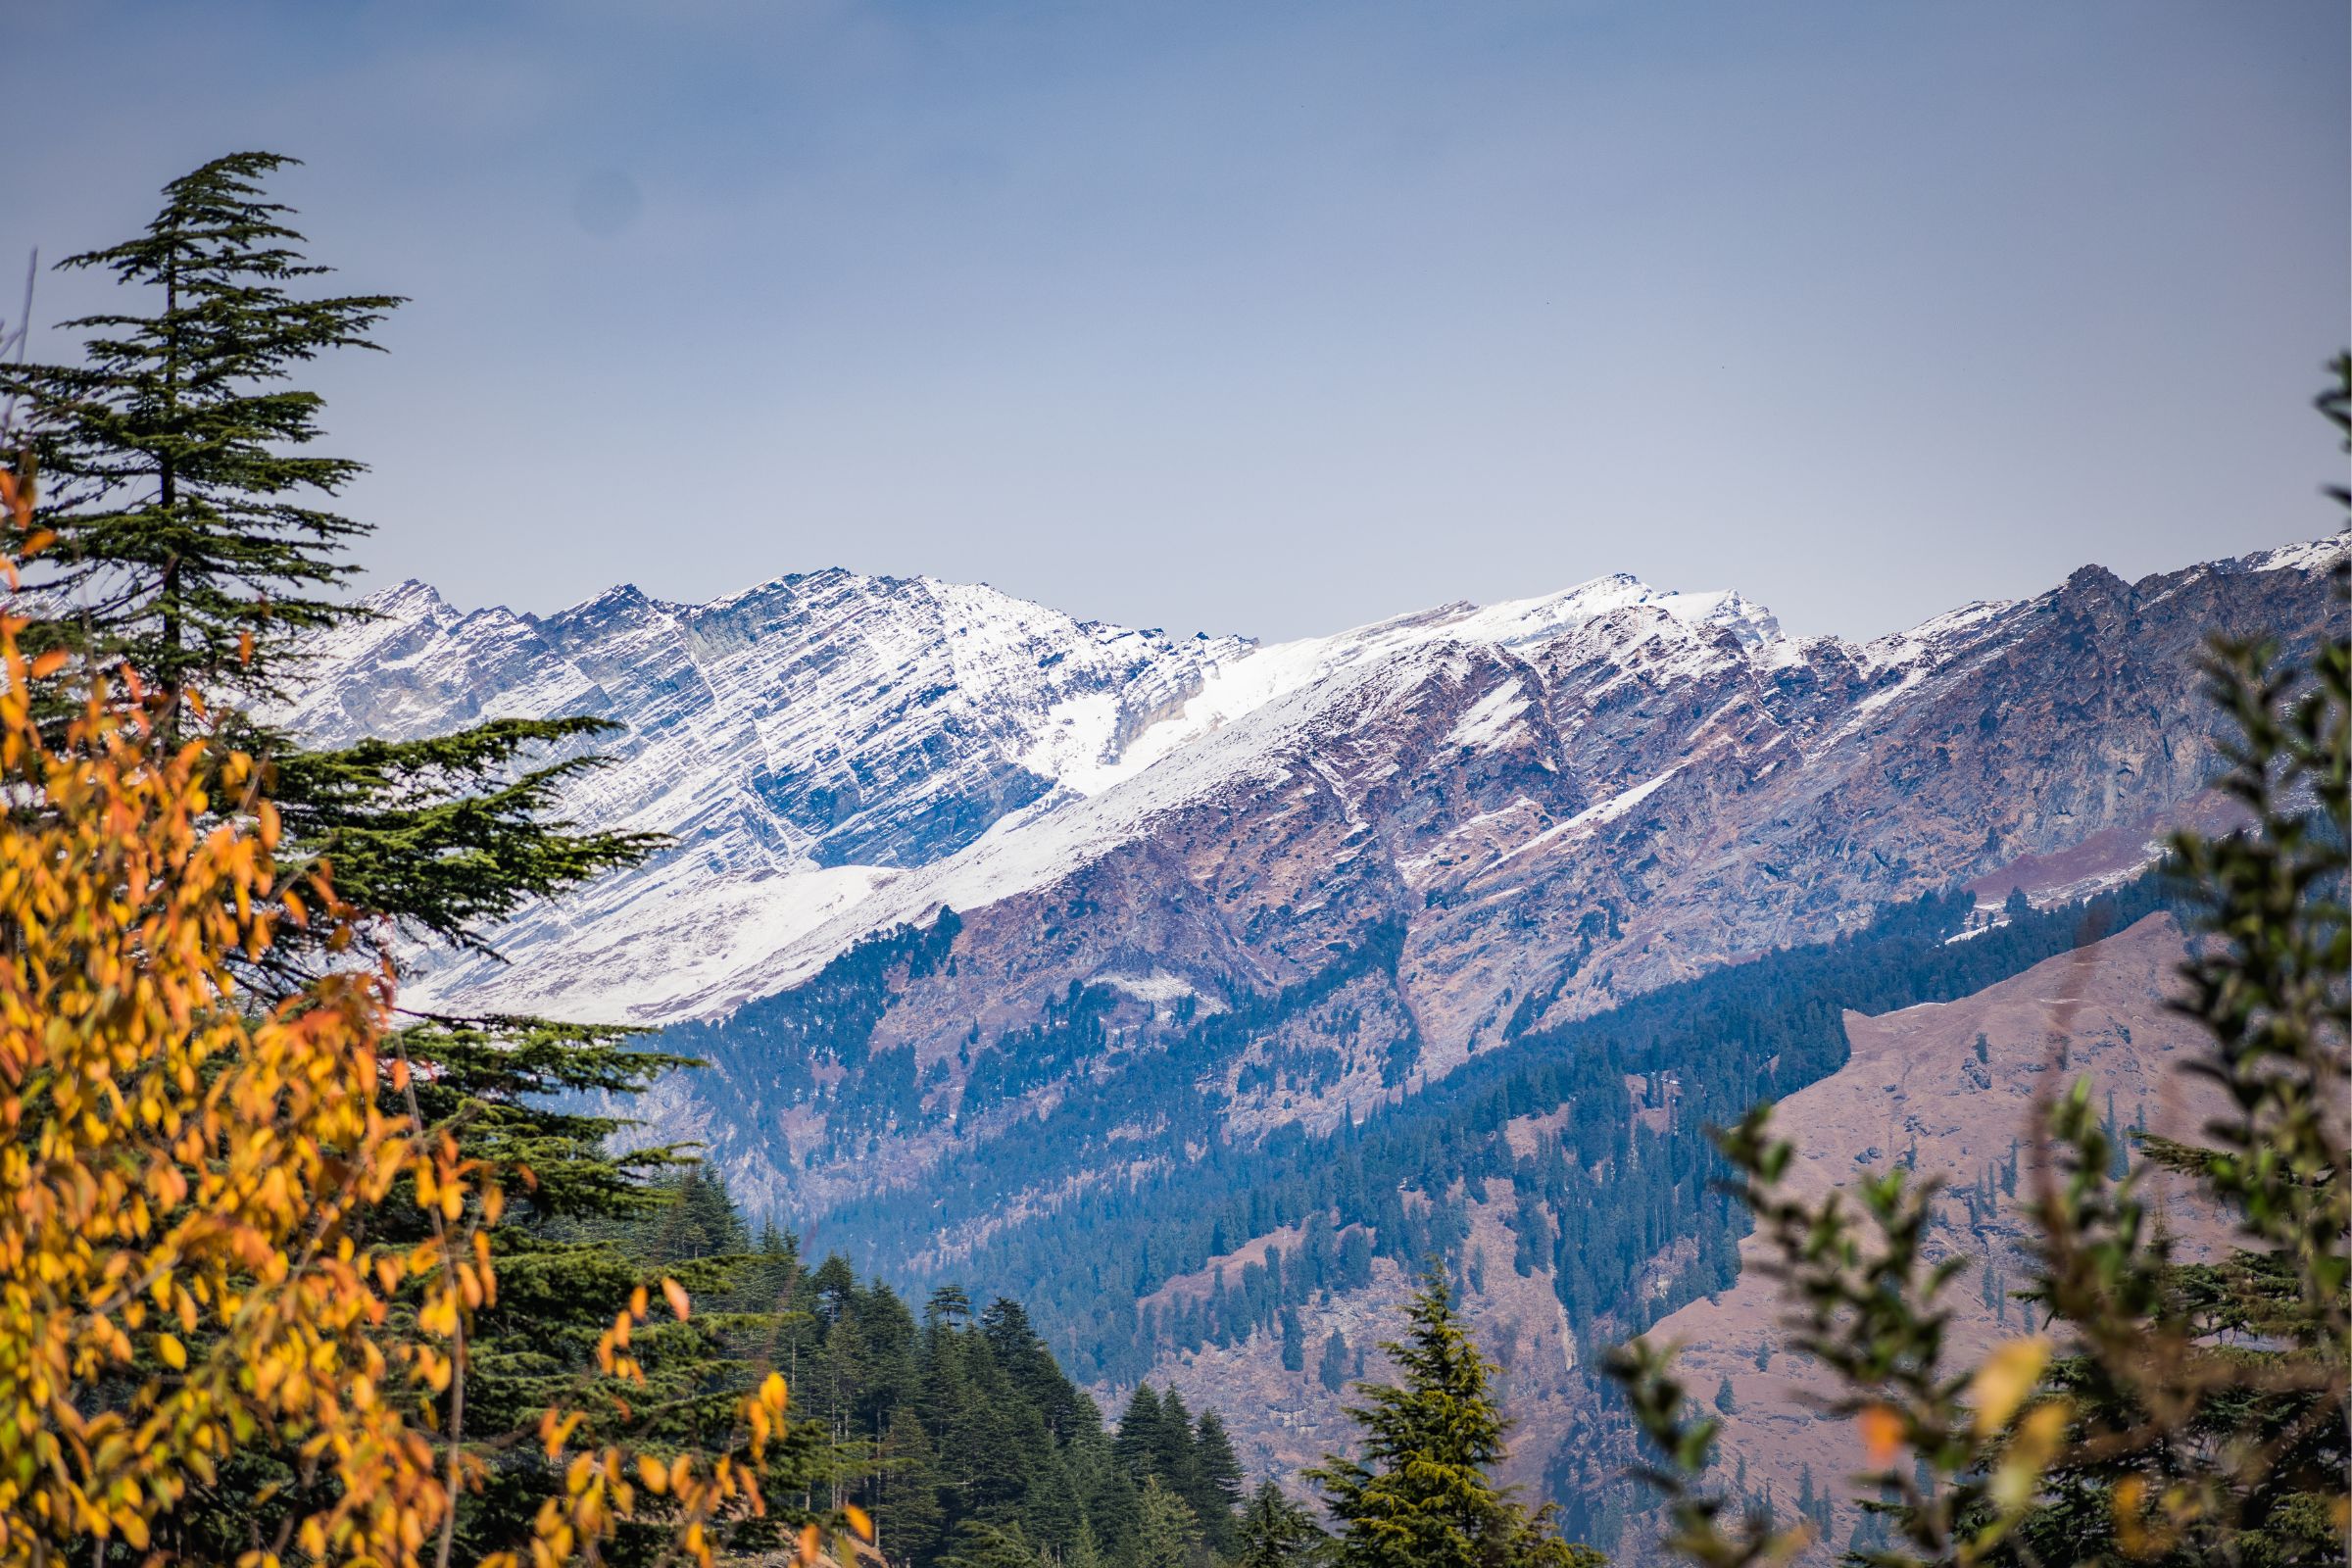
point(1538, 827)
point(1194, 991)
point(1916, 1089)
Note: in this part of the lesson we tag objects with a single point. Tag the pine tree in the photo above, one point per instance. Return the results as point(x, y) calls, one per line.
point(908, 1513)
point(1725, 1399)
point(1174, 1460)
point(193, 543)
point(1115, 1509)
point(1218, 1484)
point(1813, 1503)
point(444, 835)
point(1139, 1444)
point(190, 535)
point(1220, 1471)
point(1169, 1529)
point(1276, 1533)
point(1420, 1494)
point(699, 1221)
point(979, 1545)
point(1333, 1369)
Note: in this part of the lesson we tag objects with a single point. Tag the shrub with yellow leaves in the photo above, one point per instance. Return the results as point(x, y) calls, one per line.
point(180, 1173)
point(187, 1182)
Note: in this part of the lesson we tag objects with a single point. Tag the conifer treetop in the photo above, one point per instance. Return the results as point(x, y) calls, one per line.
point(1420, 1492)
point(190, 535)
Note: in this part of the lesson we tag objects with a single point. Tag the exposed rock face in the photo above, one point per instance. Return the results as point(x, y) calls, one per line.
point(1622, 800)
point(1914, 1088)
point(1916, 1083)
point(1542, 805)
point(804, 742)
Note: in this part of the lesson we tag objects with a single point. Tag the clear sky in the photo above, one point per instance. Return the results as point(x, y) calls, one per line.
point(1272, 316)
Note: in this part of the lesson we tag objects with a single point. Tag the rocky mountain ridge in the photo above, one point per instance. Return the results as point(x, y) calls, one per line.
point(804, 742)
point(1538, 807)
point(1154, 937)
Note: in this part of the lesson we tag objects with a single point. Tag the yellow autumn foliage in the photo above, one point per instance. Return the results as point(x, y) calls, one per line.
point(179, 1175)
point(184, 1178)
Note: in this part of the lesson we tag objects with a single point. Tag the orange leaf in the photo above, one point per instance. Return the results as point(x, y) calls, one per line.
point(676, 1295)
point(1882, 1434)
point(2003, 1381)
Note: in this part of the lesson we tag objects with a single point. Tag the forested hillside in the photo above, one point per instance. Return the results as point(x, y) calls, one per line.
point(1618, 1188)
point(949, 1422)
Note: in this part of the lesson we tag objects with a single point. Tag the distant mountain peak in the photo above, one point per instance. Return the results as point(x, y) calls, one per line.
point(834, 750)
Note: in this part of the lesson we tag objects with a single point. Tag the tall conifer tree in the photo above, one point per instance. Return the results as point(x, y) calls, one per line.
point(1420, 1494)
point(1218, 1481)
point(192, 536)
point(1169, 1531)
point(1276, 1533)
point(191, 540)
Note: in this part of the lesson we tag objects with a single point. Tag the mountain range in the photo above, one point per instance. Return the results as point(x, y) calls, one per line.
point(1160, 980)
point(833, 753)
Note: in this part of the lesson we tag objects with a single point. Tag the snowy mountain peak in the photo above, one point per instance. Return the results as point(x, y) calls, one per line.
point(812, 739)
point(831, 749)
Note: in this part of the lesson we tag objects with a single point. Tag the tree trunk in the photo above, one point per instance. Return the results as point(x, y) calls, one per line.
point(168, 499)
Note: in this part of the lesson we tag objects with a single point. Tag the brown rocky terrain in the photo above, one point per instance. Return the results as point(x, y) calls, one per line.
point(1554, 826)
point(1914, 1089)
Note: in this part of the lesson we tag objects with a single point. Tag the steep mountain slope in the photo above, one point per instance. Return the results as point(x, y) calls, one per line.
point(815, 741)
point(1914, 1088)
point(1518, 813)
point(1465, 841)
point(1081, 962)
point(805, 742)
point(1920, 1087)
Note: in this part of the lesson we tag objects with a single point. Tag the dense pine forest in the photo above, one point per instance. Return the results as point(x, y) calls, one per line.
point(949, 1423)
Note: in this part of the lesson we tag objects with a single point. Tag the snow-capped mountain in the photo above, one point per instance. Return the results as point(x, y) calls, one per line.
point(1463, 824)
point(1011, 944)
point(812, 742)
point(805, 743)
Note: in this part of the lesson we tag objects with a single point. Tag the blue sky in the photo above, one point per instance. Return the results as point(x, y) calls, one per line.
point(1278, 317)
